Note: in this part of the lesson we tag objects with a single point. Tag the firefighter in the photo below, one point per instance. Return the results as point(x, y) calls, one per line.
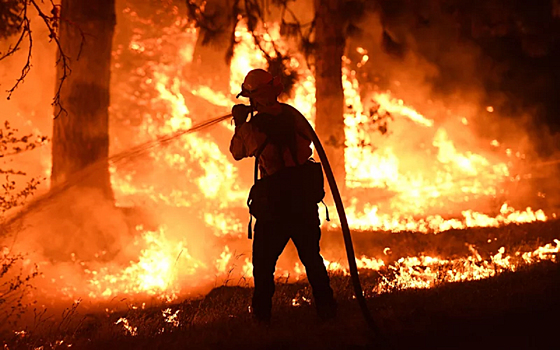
point(285, 200)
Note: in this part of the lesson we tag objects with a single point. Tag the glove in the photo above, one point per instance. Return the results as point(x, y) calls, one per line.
point(240, 113)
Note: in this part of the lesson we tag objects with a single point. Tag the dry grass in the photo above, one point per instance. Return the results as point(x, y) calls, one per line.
point(511, 310)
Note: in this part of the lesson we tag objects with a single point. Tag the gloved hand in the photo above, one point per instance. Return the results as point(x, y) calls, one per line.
point(240, 113)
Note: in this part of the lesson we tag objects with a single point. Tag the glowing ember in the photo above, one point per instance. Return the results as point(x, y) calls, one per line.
point(133, 331)
point(171, 317)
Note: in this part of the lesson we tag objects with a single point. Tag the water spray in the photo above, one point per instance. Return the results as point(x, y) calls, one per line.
point(101, 164)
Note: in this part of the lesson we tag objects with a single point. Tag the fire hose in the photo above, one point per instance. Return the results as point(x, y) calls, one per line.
point(358, 292)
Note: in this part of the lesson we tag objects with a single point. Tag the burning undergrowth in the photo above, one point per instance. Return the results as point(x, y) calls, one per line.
point(416, 165)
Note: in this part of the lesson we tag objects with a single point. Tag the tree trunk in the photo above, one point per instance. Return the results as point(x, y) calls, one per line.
point(81, 137)
point(329, 48)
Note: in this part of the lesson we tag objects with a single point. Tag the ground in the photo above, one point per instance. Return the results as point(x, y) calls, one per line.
point(514, 310)
point(511, 310)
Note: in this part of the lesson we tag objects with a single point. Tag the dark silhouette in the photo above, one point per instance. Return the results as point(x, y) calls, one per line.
point(330, 42)
point(284, 201)
point(81, 135)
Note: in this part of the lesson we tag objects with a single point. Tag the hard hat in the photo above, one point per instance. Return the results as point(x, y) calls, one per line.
point(259, 83)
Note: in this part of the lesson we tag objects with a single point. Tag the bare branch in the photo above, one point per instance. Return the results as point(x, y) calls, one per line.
point(25, 29)
point(278, 62)
point(13, 49)
point(305, 38)
point(51, 21)
point(27, 67)
point(52, 24)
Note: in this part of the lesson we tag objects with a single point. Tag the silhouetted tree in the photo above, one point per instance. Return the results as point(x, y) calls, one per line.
point(81, 136)
point(329, 49)
point(335, 21)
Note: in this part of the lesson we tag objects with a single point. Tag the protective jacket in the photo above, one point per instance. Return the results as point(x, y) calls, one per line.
point(249, 137)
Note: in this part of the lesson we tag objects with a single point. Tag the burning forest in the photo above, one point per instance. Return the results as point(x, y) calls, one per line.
point(124, 211)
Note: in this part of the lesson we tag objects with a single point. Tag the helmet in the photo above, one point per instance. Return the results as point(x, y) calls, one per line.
point(260, 84)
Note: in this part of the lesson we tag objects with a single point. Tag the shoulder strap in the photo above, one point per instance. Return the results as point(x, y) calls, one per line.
point(258, 154)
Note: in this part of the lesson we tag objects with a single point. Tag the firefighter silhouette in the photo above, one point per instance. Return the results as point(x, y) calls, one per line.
point(285, 199)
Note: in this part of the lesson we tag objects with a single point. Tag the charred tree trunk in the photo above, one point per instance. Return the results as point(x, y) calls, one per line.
point(329, 49)
point(81, 137)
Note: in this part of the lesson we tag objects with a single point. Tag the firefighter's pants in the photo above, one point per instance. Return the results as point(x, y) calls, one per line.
point(271, 237)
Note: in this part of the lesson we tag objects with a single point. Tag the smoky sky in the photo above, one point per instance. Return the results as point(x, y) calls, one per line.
point(509, 50)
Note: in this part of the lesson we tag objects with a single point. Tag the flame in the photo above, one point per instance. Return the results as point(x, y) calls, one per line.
point(392, 105)
point(171, 317)
point(436, 175)
point(428, 271)
point(129, 330)
point(155, 273)
point(419, 178)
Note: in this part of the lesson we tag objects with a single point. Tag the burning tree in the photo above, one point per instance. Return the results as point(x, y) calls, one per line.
point(329, 49)
point(81, 136)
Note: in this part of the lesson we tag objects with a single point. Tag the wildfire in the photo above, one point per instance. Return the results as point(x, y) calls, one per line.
point(412, 176)
point(440, 173)
point(428, 271)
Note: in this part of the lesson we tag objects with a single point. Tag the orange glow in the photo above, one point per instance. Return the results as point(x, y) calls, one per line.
point(427, 271)
point(429, 169)
point(427, 174)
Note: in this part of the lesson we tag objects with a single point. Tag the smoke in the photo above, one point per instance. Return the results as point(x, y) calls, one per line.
point(422, 56)
point(438, 60)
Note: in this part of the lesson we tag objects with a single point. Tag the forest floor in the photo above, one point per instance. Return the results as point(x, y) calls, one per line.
point(513, 310)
